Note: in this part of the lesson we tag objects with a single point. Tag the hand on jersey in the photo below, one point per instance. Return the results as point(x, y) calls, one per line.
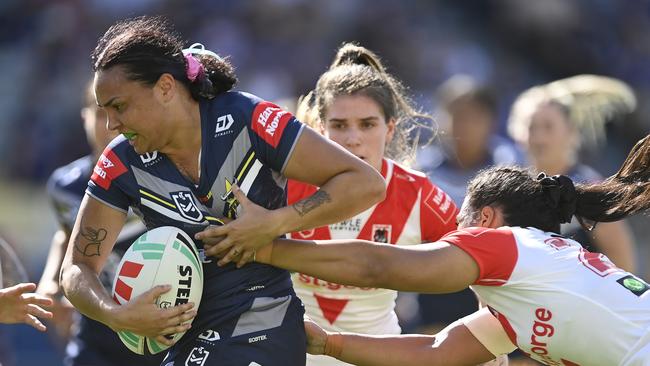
point(19, 305)
point(238, 240)
point(143, 317)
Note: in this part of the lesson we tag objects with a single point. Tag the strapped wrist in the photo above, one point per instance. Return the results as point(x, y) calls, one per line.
point(334, 345)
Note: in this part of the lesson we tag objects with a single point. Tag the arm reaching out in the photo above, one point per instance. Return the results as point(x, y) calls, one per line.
point(19, 305)
point(428, 268)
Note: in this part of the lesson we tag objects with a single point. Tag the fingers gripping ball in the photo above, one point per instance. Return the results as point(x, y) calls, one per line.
point(162, 256)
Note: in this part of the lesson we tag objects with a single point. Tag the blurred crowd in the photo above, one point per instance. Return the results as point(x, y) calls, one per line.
point(279, 47)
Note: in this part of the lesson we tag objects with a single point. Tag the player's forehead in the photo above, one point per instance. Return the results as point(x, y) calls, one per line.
point(111, 83)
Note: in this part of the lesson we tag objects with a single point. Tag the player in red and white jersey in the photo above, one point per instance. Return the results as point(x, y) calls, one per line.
point(359, 106)
point(557, 302)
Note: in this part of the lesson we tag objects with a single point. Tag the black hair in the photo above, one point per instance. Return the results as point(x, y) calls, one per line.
point(148, 47)
point(545, 202)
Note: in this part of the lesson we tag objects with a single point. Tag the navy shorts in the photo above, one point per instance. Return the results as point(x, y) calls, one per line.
point(97, 345)
point(271, 333)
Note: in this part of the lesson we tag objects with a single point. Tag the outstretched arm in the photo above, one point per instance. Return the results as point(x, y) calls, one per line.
point(454, 345)
point(428, 268)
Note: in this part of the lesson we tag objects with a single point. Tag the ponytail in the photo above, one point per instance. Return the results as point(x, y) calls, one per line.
point(359, 71)
point(625, 193)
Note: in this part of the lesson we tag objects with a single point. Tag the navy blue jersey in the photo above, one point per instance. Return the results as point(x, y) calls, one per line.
point(94, 343)
point(244, 140)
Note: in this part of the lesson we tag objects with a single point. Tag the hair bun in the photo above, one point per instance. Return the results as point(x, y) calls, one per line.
point(561, 195)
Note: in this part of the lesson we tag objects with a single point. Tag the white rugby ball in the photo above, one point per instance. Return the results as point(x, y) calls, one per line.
point(162, 256)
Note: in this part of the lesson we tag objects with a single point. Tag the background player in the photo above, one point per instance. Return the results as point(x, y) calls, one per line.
point(552, 122)
point(358, 105)
point(188, 141)
point(93, 343)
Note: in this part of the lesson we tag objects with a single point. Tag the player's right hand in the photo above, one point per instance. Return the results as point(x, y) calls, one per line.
point(143, 317)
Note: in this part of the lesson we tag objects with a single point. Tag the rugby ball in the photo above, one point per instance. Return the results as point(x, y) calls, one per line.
point(162, 256)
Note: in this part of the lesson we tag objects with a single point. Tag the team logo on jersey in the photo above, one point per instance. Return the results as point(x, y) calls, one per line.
point(108, 167)
point(557, 243)
point(231, 203)
point(186, 206)
point(381, 233)
point(223, 125)
point(149, 159)
point(269, 121)
point(197, 357)
point(634, 285)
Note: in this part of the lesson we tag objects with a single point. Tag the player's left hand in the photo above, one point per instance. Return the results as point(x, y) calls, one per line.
point(238, 240)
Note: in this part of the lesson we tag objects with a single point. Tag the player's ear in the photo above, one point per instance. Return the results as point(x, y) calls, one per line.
point(165, 87)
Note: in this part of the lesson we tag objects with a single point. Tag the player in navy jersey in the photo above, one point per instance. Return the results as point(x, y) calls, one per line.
point(93, 343)
point(187, 143)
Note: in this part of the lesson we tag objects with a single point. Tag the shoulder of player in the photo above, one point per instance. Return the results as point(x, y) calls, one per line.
point(70, 175)
point(410, 176)
point(481, 233)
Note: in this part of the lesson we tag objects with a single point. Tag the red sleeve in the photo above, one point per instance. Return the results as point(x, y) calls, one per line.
point(437, 212)
point(494, 250)
point(298, 190)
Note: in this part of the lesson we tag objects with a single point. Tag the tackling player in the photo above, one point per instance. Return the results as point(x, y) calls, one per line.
point(546, 295)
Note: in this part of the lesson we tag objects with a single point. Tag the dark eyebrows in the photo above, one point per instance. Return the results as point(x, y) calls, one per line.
point(107, 104)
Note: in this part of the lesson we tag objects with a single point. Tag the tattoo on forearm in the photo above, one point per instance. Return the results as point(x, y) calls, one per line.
point(311, 202)
point(94, 238)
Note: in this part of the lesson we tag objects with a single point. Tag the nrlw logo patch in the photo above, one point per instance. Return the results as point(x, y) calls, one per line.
point(269, 122)
point(197, 357)
point(186, 206)
point(223, 125)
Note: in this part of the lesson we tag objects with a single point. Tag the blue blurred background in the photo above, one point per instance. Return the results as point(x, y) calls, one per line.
point(279, 48)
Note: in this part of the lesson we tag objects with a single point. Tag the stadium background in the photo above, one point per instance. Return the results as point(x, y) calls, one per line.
point(279, 47)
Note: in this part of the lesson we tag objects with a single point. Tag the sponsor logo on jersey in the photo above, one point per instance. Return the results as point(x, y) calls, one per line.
point(269, 121)
point(223, 125)
point(197, 357)
point(440, 203)
point(108, 168)
point(257, 338)
point(209, 335)
point(381, 233)
point(186, 206)
point(634, 285)
point(149, 159)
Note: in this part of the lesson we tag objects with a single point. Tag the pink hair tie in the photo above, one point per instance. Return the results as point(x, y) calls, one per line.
point(194, 67)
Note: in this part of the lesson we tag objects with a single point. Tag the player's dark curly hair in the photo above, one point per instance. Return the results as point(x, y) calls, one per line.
point(546, 202)
point(357, 70)
point(148, 47)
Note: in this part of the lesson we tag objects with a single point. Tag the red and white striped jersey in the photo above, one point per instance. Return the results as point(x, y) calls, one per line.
point(559, 303)
point(414, 211)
